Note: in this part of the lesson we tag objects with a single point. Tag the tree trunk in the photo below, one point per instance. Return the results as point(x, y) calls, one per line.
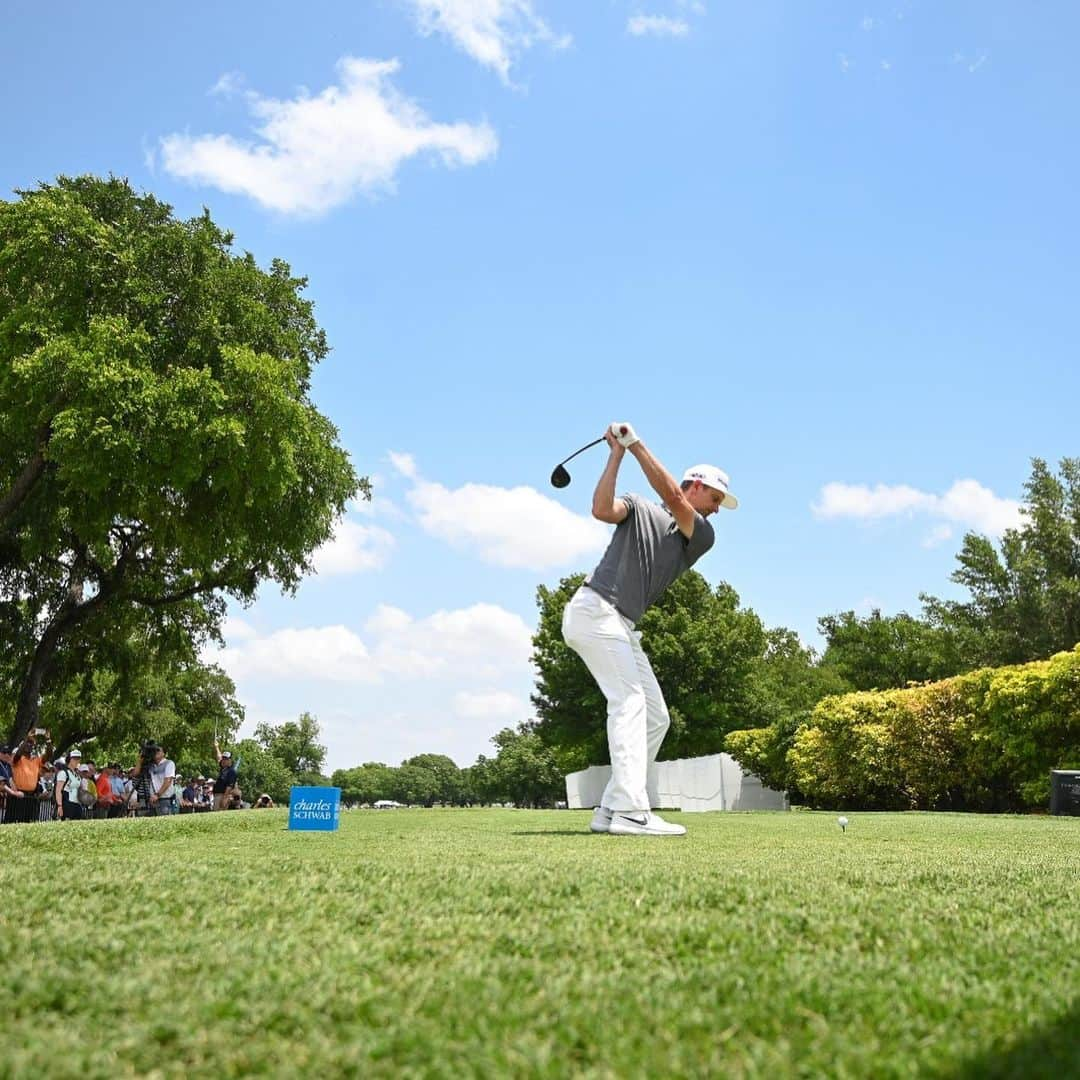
point(63, 622)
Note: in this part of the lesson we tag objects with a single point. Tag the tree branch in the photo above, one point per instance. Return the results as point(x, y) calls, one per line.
point(24, 484)
point(218, 582)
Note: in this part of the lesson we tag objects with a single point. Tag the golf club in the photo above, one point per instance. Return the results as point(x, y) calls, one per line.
point(559, 476)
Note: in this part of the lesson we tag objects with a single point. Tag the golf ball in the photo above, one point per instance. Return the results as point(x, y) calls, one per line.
point(842, 822)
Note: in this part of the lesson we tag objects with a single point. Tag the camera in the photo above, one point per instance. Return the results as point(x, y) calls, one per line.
point(146, 756)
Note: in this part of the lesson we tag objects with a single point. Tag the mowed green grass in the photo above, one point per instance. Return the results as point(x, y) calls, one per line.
point(488, 943)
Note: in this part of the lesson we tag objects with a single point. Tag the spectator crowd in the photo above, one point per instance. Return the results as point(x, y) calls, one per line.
point(35, 786)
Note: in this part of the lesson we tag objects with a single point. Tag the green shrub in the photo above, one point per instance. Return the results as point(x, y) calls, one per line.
point(759, 751)
point(846, 755)
point(986, 740)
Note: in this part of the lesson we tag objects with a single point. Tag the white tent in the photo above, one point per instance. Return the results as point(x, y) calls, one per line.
point(716, 782)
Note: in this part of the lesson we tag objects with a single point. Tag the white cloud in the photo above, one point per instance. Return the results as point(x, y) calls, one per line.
point(332, 653)
point(867, 23)
point(937, 536)
point(490, 705)
point(237, 629)
point(493, 32)
point(484, 642)
point(697, 7)
point(656, 26)
point(513, 527)
point(353, 549)
point(404, 463)
point(967, 503)
point(860, 501)
point(315, 153)
point(232, 82)
point(379, 505)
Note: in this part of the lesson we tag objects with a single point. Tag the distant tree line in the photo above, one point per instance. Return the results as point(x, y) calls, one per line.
point(524, 772)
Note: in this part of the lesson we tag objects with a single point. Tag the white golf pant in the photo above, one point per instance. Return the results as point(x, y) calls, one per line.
point(637, 718)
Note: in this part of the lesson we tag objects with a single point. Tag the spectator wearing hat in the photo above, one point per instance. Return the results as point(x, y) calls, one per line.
point(8, 791)
point(226, 779)
point(66, 790)
point(187, 797)
point(88, 794)
point(162, 784)
point(26, 767)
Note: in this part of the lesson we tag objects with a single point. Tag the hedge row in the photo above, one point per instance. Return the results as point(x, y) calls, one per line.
point(986, 740)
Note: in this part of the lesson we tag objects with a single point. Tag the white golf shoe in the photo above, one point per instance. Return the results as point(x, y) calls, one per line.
point(601, 820)
point(642, 823)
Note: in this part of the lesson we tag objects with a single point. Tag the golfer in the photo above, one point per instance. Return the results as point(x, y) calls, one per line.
point(652, 545)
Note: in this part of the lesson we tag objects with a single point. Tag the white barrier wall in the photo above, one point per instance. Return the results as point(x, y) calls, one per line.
point(716, 782)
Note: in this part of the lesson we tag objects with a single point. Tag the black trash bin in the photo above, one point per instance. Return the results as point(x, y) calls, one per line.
point(1065, 791)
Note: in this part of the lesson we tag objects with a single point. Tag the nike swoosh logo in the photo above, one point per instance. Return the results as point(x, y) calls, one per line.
point(635, 820)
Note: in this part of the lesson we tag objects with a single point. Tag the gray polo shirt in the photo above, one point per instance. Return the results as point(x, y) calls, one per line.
point(646, 554)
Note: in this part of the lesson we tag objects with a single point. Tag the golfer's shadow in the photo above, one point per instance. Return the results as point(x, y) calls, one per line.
point(554, 832)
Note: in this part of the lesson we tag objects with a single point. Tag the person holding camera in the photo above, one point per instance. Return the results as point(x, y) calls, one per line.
point(26, 766)
point(160, 773)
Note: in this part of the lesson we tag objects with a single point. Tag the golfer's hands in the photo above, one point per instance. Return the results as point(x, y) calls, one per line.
point(623, 433)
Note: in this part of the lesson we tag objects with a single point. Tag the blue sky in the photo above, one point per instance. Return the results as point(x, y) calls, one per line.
point(829, 247)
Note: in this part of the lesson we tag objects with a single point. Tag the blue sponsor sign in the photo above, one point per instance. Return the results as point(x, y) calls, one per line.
point(314, 809)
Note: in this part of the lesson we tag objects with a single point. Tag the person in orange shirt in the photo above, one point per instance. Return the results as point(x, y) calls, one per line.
point(108, 800)
point(26, 768)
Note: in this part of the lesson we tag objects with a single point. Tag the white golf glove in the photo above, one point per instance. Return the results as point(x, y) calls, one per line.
point(624, 433)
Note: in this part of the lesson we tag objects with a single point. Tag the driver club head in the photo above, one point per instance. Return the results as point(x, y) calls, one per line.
point(559, 477)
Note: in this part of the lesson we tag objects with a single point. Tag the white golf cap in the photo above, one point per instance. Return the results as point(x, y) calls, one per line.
point(715, 478)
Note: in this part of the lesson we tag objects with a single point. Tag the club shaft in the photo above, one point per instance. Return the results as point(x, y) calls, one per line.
point(582, 450)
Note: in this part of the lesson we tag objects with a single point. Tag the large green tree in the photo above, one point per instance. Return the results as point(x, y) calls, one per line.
point(259, 771)
point(525, 771)
point(883, 652)
point(365, 783)
point(415, 785)
point(180, 703)
point(1023, 596)
point(159, 450)
point(296, 745)
point(449, 782)
point(704, 648)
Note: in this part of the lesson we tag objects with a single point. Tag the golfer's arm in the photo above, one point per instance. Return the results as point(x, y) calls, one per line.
point(605, 507)
point(666, 486)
